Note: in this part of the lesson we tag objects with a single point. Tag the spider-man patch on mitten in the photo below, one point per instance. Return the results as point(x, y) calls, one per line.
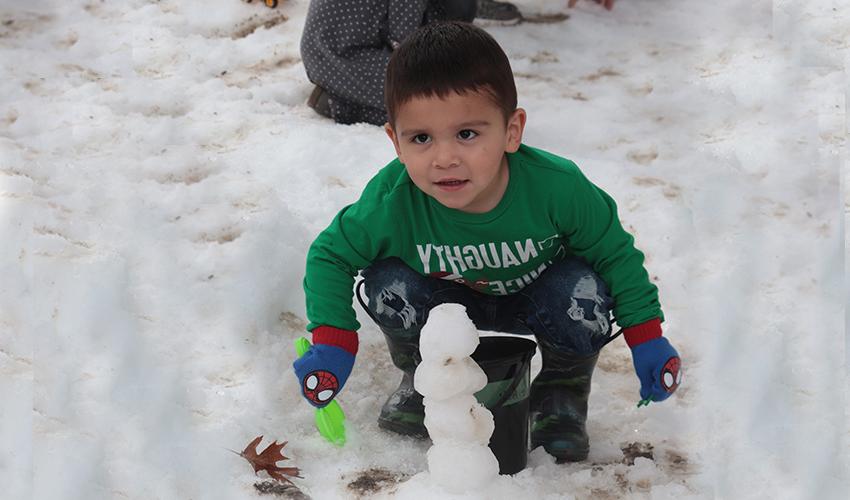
point(320, 387)
point(324, 368)
point(671, 376)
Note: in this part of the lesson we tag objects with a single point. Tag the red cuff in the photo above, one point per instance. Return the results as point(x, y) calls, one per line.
point(638, 334)
point(344, 339)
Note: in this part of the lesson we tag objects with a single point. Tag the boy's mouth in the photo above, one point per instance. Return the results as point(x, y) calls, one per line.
point(451, 184)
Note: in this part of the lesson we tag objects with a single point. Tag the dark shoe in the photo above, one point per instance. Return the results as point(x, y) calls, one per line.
point(558, 407)
point(404, 412)
point(320, 101)
point(501, 12)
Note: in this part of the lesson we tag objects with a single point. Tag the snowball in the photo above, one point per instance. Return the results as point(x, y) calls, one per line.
point(448, 333)
point(442, 381)
point(460, 418)
point(460, 467)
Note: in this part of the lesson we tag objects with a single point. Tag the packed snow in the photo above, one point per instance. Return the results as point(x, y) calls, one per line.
point(161, 179)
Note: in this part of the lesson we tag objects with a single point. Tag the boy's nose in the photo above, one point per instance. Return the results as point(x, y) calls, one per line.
point(446, 156)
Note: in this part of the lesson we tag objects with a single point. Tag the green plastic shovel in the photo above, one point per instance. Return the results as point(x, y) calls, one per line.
point(330, 420)
point(645, 402)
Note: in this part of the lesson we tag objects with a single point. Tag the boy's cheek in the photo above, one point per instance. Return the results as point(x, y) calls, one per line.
point(403, 155)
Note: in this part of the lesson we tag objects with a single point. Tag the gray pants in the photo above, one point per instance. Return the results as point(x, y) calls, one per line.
point(346, 45)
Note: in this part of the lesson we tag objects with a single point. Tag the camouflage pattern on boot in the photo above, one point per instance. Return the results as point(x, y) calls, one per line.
point(403, 411)
point(558, 406)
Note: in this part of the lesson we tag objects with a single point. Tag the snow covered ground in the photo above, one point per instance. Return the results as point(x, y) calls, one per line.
point(161, 180)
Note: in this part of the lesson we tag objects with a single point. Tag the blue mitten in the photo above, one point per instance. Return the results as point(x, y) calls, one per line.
point(657, 365)
point(322, 371)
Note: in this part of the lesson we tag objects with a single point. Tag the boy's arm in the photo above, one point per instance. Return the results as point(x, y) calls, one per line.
point(593, 231)
point(333, 260)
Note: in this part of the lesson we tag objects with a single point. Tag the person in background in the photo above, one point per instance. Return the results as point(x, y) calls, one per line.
point(469, 214)
point(346, 44)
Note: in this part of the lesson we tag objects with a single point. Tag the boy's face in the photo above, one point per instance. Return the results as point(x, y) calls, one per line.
point(454, 148)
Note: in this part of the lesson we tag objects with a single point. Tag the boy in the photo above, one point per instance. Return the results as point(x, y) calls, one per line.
point(468, 214)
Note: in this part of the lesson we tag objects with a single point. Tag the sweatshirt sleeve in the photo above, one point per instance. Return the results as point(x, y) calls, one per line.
point(334, 259)
point(589, 222)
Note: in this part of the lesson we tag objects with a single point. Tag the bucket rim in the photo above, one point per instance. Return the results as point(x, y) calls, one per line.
point(516, 348)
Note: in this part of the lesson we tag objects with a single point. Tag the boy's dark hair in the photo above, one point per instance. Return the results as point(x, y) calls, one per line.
point(445, 57)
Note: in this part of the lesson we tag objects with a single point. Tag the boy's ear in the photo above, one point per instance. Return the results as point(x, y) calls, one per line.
point(391, 134)
point(516, 125)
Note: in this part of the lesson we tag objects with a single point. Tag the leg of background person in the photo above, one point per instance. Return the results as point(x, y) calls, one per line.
point(345, 52)
point(347, 112)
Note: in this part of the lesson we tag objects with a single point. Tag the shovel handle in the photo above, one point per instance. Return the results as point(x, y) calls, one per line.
point(645, 402)
point(302, 345)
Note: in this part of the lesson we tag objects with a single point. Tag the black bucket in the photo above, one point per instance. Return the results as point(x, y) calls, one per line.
point(507, 363)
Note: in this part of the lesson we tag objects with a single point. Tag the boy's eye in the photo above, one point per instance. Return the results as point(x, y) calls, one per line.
point(467, 134)
point(421, 139)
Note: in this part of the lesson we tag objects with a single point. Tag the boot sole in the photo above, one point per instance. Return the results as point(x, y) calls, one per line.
point(564, 456)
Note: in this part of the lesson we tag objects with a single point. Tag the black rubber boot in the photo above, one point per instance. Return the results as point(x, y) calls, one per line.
point(558, 410)
point(404, 412)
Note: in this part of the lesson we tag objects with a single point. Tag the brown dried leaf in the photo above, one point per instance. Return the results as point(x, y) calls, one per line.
point(268, 459)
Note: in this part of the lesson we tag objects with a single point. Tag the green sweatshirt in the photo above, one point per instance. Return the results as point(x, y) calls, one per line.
point(549, 211)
